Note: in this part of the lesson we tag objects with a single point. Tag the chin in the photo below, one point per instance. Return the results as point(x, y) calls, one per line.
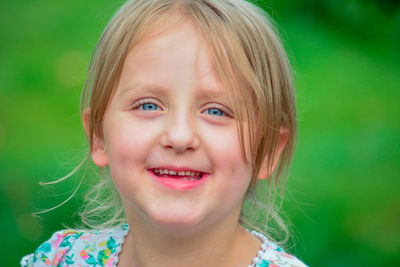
point(178, 223)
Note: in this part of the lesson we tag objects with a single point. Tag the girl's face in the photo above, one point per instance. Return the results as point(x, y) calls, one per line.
point(170, 138)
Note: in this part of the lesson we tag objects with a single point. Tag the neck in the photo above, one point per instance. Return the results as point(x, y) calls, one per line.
point(226, 244)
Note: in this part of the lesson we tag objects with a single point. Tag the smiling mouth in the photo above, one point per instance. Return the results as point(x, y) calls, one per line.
point(185, 175)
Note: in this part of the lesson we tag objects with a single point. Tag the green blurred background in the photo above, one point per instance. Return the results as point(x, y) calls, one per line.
point(343, 192)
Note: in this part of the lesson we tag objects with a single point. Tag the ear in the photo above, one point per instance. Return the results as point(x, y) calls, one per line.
point(98, 151)
point(266, 172)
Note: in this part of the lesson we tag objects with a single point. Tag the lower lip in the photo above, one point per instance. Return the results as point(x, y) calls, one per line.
point(179, 184)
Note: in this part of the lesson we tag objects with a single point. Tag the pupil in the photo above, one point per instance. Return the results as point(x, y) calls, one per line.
point(214, 111)
point(149, 106)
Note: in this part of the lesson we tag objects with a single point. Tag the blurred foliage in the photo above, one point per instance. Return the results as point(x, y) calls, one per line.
point(343, 192)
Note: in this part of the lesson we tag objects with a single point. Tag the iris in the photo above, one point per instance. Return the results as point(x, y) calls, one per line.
point(215, 112)
point(149, 106)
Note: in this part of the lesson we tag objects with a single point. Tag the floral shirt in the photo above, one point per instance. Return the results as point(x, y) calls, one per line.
point(101, 248)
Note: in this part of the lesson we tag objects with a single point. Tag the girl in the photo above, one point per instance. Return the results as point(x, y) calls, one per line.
point(187, 104)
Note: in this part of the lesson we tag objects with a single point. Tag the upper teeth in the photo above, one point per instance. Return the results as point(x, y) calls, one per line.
point(179, 173)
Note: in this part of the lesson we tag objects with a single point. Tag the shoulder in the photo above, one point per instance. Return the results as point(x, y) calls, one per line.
point(78, 248)
point(272, 254)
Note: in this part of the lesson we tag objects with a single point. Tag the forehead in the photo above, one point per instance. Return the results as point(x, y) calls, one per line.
point(176, 45)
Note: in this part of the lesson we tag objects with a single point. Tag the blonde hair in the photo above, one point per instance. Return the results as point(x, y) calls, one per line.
point(243, 45)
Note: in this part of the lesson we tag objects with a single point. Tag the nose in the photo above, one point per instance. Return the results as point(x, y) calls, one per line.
point(180, 134)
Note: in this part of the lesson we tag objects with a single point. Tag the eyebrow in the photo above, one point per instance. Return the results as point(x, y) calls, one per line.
point(212, 92)
point(142, 87)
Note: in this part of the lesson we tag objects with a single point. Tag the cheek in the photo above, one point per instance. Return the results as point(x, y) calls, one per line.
point(228, 162)
point(128, 139)
point(127, 148)
point(226, 149)
point(121, 143)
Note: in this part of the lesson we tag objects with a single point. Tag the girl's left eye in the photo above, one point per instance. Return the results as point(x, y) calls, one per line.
point(215, 112)
point(149, 106)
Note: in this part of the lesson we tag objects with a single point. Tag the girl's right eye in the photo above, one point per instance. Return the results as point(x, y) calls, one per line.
point(146, 105)
point(149, 107)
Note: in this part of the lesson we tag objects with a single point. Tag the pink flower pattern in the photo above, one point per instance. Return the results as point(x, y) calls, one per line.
point(101, 248)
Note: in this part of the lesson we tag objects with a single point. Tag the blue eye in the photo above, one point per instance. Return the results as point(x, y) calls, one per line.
point(149, 106)
point(215, 112)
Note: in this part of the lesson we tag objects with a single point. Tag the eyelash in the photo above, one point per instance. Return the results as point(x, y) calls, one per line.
point(223, 110)
point(143, 102)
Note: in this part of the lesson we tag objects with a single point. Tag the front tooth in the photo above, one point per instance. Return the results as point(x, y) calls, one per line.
point(164, 171)
point(181, 173)
point(172, 172)
point(187, 173)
